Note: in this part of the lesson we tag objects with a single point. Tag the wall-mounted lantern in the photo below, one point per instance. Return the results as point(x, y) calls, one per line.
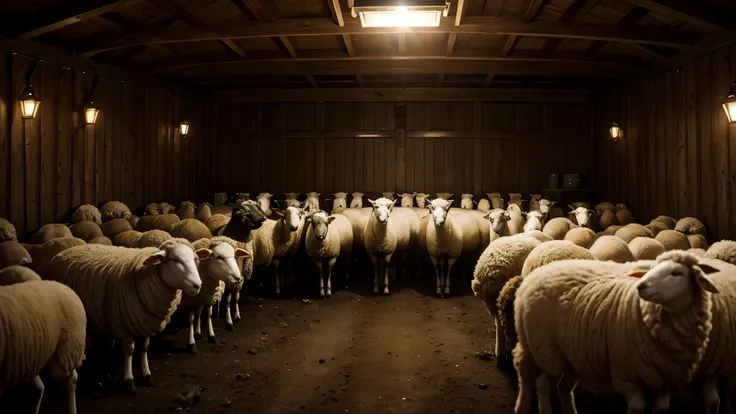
point(91, 108)
point(29, 102)
point(615, 132)
point(184, 128)
point(729, 105)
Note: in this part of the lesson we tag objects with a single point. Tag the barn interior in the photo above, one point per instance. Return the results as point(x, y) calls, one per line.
point(150, 101)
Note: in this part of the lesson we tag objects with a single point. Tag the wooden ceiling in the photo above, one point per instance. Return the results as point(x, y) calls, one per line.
point(288, 44)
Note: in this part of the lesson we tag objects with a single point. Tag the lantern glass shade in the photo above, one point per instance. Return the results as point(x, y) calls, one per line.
point(615, 131)
point(184, 128)
point(729, 106)
point(413, 13)
point(90, 112)
point(29, 103)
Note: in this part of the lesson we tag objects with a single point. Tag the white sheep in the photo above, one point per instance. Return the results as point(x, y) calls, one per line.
point(407, 199)
point(128, 293)
point(112, 228)
point(444, 196)
point(498, 226)
point(673, 240)
point(534, 202)
point(328, 238)
point(113, 210)
point(496, 200)
point(648, 332)
point(86, 212)
point(421, 199)
point(291, 200)
point(581, 216)
point(17, 274)
point(724, 250)
point(645, 248)
point(545, 206)
point(629, 232)
point(356, 202)
point(86, 230)
point(216, 222)
point(152, 209)
point(312, 203)
point(611, 248)
point(697, 241)
point(533, 221)
point(186, 210)
point(203, 212)
point(516, 219)
point(13, 253)
point(287, 236)
point(443, 241)
point(166, 208)
point(384, 236)
point(42, 254)
point(690, 225)
point(558, 227)
point(128, 238)
point(388, 195)
point(668, 221)
point(623, 214)
point(190, 229)
point(264, 203)
point(49, 232)
point(502, 260)
point(515, 198)
point(581, 236)
point(467, 201)
point(340, 201)
point(484, 205)
point(44, 326)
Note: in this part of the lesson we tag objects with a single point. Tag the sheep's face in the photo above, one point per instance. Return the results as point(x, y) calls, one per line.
point(515, 196)
point(222, 263)
point(498, 218)
point(675, 285)
point(178, 267)
point(439, 208)
point(320, 224)
point(421, 199)
point(382, 209)
point(293, 217)
point(582, 215)
point(248, 215)
point(533, 221)
point(341, 195)
point(313, 194)
point(407, 200)
point(358, 195)
point(388, 195)
point(291, 196)
point(493, 195)
point(545, 205)
point(467, 196)
point(264, 201)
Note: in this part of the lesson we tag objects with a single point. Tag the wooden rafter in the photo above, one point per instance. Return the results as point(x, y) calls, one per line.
point(263, 10)
point(288, 46)
point(336, 12)
point(627, 21)
point(451, 44)
point(312, 81)
point(458, 19)
point(61, 16)
point(440, 80)
point(532, 8)
point(402, 44)
point(348, 45)
point(471, 25)
point(574, 13)
point(489, 79)
point(672, 10)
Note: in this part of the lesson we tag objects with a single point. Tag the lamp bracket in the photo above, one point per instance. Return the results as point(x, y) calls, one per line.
point(32, 71)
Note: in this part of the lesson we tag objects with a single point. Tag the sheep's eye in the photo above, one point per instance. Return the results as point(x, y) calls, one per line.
point(676, 273)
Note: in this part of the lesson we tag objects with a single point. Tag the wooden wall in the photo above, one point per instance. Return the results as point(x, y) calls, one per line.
point(134, 153)
point(428, 147)
point(678, 153)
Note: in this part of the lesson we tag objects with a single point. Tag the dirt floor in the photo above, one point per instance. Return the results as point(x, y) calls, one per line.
point(409, 352)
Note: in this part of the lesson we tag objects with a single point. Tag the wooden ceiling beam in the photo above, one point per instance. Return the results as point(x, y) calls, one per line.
point(673, 10)
point(440, 80)
point(263, 10)
point(234, 47)
point(629, 20)
point(576, 12)
point(471, 25)
point(336, 12)
point(488, 80)
point(288, 46)
point(458, 19)
point(404, 95)
point(348, 45)
point(451, 39)
point(312, 81)
point(55, 18)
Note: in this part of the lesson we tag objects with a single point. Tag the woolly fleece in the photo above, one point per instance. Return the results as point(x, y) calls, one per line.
point(114, 210)
point(581, 236)
point(673, 240)
point(558, 227)
point(87, 212)
point(49, 232)
point(611, 248)
point(86, 230)
point(690, 225)
point(646, 248)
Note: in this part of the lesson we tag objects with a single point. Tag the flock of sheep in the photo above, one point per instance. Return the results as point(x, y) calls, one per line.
point(114, 275)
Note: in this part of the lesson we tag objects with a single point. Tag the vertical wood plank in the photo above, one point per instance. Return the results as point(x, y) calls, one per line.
point(721, 175)
point(418, 159)
point(410, 152)
point(17, 147)
point(693, 149)
point(369, 166)
point(708, 198)
point(400, 161)
point(100, 136)
point(429, 184)
point(6, 105)
point(329, 185)
point(49, 140)
point(380, 164)
point(32, 140)
point(732, 150)
point(338, 151)
point(477, 150)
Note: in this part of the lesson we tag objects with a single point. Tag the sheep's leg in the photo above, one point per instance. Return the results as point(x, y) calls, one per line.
point(228, 317)
point(632, 393)
point(38, 384)
point(211, 338)
point(191, 345)
point(278, 277)
point(128, 381)
point(450, 262)
point(318, 263)
point(374, 259)
point(198, 323)
point(217, 309)
point(710, 395)
point(145, 369)
point(544, 394)
point(529, 372)
point(566, 388)
point(438, 271)
point(237, 318)
point(385, 278)
point(330, 264)
point(71, 389)
point(662, 403)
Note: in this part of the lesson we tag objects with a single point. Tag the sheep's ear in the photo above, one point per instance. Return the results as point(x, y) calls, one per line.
point(155, 259)
point(330, 219)
point(391, 207)
point(448, 205)
point(703, 280)
point(591, 211)
point(571, 206)
point(414, 194)
point(373, 202)
point(25, 261)
point(241, 252)
point(707, 269)
point(203, 253)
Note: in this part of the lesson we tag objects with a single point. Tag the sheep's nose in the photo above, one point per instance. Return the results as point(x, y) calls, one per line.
point(642, 286)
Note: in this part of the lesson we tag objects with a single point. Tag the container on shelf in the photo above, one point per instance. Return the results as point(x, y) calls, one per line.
point(554, 181)
point(570, 181)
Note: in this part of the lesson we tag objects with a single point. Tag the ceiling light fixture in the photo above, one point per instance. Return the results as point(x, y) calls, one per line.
point(393, 13)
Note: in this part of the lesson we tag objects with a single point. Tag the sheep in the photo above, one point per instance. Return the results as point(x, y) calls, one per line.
point(49, 232)
point(216, 222)
point(581, 236)
point(623, 215)
point(533, 221)
point(128, 238)
point(611, 248)
point(558, 227)
point(219, 269)
point(545, 206)
point(384, 236)
point(667, 221)
point(467, 201)
point(44, 327)
point(645, 248)
point(501, 260)
point(339, 201)
point(166, 208)
point(724, 250)
point(516, 219)
point(543, 238)
point(129, 293)
point(357, 201)
point(153, 238)
point(358, 218)
point(476, 237)
point(280, 239)
point(601, 207)
point(264, 202)
point(541, 255)
point(225, 209)
point(328, 238)
point(607, 219)
point(388, 195)
point(186, 210)
point(421, 199)
point(629, 232)
point(581, 216)
point(498, 227)
point(697, 252)
point(496, 200)
point(13, 253)
point(312, 203)
point(407, 199)
point(133, 220)
point(291, 200)
point(114, 210)
point(86, 230)
point(191, 229)
point(165, 222)
point(673, 240)
point(534, 202)
point(611, 230)
point(655, 227)
point(41, 254)
point(86, 212)
point(203, 212)
point(697, 241)
point(690, 225)
point(101, 240)
point(484, 205)
point(665, 321)
point(152, 209)
point(444, 196)
point(114, 227)
point(17, 274)
point(244, 219)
